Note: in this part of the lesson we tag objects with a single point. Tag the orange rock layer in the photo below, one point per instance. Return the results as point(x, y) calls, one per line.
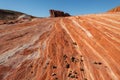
point(72, 48)
point(117, 9)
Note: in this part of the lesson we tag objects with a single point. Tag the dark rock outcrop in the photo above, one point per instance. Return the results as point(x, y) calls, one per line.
point(12, 15)
point(57, 13)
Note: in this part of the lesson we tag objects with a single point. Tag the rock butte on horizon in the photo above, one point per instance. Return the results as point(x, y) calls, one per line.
point(71, 48)
point(57, 13)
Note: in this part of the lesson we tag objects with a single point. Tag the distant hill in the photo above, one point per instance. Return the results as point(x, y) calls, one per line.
point(116, 9)
point(12, 15)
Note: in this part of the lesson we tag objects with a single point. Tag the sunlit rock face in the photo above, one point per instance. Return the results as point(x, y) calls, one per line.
point(117, 9)
point(72, 48)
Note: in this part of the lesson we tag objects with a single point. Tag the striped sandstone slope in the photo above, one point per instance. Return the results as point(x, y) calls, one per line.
point(72, 48)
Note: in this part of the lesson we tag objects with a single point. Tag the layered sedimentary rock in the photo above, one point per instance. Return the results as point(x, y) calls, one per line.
point(57, 13)
point(72, 48)
point(117, 9)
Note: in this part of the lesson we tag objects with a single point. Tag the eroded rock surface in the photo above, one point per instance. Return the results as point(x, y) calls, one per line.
point(73, 48)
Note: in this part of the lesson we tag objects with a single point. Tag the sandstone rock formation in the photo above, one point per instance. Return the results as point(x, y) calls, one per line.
point(117, 9)
point(57, 13)
point(71, 48)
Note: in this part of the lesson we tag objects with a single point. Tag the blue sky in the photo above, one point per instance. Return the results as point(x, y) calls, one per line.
point(74, 7)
